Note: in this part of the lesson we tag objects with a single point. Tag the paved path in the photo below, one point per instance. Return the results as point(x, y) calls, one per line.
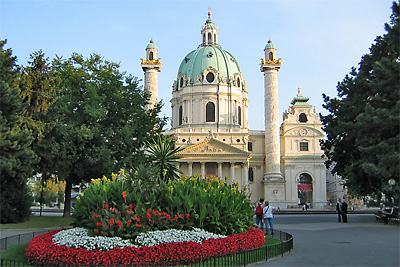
point(319, 240)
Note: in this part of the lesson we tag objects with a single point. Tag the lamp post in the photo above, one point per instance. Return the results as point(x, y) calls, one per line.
point(392, 182)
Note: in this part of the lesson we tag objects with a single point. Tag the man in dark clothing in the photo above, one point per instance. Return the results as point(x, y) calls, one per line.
point(341, 209)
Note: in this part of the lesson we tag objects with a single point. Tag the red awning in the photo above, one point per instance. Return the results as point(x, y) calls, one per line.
point(305, 187)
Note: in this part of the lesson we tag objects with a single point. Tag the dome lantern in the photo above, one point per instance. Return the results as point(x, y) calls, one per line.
point(209, 32)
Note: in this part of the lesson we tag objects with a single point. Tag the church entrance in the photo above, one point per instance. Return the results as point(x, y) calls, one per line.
point(305, 189)
point(211, 169)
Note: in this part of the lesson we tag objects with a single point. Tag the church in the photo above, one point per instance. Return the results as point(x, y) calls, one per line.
point(282, 164)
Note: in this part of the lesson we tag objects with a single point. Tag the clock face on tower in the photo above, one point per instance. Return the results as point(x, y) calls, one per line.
point(303, 132)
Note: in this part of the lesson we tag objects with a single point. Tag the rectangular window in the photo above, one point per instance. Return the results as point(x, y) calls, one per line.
point(303, 146)
point(250, 146)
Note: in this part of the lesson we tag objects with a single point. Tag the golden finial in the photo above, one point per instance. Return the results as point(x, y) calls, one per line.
point(209, 12)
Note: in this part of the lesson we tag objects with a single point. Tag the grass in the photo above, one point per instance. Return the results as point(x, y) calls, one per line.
point(15, 253)
point(35, 222)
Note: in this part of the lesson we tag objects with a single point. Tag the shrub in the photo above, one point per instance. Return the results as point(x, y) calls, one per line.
point(216, 206)
point(125, 206)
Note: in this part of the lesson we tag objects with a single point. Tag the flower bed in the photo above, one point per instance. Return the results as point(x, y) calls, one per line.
point(42, 251)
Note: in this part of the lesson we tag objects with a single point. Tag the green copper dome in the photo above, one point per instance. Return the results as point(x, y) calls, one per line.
point(151, 45)
point(269, 45)
point(203, 57)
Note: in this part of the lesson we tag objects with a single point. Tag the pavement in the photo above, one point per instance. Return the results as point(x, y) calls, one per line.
point(319, 240)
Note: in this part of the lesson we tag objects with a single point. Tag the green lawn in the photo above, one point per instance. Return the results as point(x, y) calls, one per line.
point(39, 222)
point(15, 253)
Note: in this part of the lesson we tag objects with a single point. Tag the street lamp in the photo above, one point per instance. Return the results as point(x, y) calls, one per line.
point(392, 182)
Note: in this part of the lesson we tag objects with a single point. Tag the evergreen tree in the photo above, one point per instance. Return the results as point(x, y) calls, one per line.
point(363, 126)
point(16, 156)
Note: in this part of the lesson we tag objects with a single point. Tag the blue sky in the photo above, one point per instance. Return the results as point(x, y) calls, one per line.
point(319, 41)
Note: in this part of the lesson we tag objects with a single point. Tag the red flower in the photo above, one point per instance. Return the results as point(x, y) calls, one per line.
point(168, 217)
point(148, 215)
point(175, 218)
point(111, 221)
point(99, 224)
point(128, 211)
point(137, 219)
point(119, 223)
point(95, 216)
point(42, 251)
point(106, 206)
point(128, 222)
point(130, 206)
point(124, 194)
point(187, 215)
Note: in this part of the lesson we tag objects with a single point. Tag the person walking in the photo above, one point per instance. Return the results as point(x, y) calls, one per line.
point(259, 214)
point(268, 214)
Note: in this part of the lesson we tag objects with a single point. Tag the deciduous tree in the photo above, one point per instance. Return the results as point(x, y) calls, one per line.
point(102, 125)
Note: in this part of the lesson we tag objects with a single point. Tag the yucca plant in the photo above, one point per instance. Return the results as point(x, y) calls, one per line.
point(162, 153)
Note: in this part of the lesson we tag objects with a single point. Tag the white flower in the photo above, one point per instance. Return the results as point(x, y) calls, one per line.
point(79, 238)
point(172, 235)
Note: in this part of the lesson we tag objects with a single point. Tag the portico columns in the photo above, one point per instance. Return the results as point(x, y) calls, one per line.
point(245, 175)
point(203, 170)
point(232, 172)
point(190, 168)
point(219, 169)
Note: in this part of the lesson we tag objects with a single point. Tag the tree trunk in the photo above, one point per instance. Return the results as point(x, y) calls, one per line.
point(67, 206)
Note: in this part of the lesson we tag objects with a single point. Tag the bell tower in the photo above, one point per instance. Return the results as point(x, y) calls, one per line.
point(151, 66)
point(274, 188)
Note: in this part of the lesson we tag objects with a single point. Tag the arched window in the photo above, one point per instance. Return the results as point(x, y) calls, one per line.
point(204, 37)
point(305, 178)
point(303, 117)
point(271, 56)
point(240, 116)
point(151, 56)
point(209, 38)
point(238, 82)
point(210, 112)
point(180, 115)
point(181, 82)
point(215, 38)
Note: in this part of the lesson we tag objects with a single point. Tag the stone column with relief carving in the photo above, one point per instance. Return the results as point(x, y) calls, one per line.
point(274, 184)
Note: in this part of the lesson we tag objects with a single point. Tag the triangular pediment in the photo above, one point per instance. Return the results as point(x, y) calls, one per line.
point(212, 147)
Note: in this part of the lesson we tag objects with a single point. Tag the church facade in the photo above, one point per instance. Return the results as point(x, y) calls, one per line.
point(282, 164)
